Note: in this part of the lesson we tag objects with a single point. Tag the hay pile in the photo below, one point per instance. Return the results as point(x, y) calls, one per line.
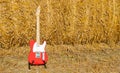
point(62, 21)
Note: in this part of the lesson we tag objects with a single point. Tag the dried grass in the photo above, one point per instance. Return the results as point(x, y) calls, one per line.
point(66, 59)
point(62, 21)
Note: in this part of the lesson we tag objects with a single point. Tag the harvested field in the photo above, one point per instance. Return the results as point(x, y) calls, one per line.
point(66, 60)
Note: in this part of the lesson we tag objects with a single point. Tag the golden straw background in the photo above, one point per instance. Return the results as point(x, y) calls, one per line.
point(62, 21)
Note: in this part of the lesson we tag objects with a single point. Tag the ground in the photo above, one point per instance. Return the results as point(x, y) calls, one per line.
point(63, 59)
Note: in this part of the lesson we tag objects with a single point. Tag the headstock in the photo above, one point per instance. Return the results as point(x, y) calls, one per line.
point(38, 11)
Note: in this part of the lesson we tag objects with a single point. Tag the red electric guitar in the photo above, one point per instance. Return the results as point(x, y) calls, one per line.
point(36, 58)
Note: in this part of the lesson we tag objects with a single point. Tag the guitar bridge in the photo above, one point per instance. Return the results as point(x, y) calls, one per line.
point(37, 55)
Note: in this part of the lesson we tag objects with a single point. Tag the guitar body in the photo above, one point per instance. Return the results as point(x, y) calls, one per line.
point(33, 60)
